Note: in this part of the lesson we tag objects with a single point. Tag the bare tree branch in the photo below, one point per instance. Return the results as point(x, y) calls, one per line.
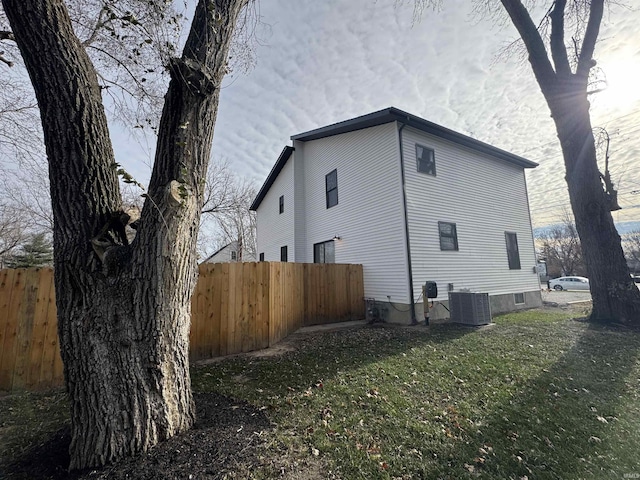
point(558, 48)
point(585, 60)
point(542, 68)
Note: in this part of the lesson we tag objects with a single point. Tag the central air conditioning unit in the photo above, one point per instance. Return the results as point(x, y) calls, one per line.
point(470, 308)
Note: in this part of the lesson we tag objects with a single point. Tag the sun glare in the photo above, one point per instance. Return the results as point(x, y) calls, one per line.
point(623, 83)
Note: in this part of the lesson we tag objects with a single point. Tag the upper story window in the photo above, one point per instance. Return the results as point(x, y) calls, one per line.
point(448, 236)
point(331, 185)
point(234, 255)
point(324, 252)
point(513, 253)
point(262, 257)
point(426, 159)
point(283, 254)
point(281, 204)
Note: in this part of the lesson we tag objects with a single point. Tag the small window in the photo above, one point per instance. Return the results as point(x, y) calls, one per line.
point(518, 298)
point(331, 184)
point(324, 252)
point(426, 159)
point(281, 207)
point(448, 236)
point(234, 256)
point(262, 257)
point(283, 254)
point(513, 254)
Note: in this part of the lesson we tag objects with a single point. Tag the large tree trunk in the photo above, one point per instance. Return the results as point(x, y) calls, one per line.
point(614, 294)
point(615, 297)
point(123, 314)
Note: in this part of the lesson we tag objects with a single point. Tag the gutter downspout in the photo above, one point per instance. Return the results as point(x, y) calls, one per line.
point(414, 321)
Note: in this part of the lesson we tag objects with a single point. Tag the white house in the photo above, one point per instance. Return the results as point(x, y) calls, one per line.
point(412, 202)
point(230, 253)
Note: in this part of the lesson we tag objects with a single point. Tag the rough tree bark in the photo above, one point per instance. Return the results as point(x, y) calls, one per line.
point(615, 297)
point(123, 310)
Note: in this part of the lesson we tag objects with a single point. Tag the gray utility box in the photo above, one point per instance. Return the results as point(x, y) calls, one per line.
point(470, 308)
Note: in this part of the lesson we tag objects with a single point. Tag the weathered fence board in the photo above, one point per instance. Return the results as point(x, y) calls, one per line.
point(236, 307)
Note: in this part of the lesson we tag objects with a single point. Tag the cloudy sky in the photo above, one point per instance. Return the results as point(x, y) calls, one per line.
point(320, 62)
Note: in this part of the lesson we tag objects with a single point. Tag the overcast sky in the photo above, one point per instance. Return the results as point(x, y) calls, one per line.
point(320, 62)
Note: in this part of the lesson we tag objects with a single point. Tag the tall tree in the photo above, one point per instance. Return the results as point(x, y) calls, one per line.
point(560, 248)
point(564, 81)
point(632, 250)
point(36, 252)
point(227, 201)
point(13, 230)
point(123, 309)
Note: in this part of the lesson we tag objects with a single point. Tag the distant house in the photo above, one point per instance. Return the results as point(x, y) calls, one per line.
point(230, 253)
point(410, 200)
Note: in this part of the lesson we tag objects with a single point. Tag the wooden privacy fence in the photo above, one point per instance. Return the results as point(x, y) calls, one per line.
point(236, 307)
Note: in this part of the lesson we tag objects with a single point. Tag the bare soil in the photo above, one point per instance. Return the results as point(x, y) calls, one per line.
point(225, 442)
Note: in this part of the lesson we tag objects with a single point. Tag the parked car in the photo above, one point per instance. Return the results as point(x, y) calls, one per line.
point(569, 283)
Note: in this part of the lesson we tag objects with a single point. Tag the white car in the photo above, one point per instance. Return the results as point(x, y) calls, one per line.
point(569, 283)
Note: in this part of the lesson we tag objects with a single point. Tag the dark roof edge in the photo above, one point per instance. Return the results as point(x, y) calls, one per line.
point(393, 114)
point(273, 174)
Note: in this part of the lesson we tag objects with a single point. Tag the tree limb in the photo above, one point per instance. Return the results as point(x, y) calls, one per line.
point(538, 57)
point(585, 60)
point(558, 48)
point(4, 60)
point(100, 22)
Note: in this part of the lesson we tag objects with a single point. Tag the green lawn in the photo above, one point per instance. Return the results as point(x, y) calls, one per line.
point(536, 395)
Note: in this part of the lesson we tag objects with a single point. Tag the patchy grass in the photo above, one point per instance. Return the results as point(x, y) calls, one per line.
point(28, 420)
point(536, 395)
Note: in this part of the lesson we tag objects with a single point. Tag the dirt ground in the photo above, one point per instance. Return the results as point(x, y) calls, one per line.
point(224, 443)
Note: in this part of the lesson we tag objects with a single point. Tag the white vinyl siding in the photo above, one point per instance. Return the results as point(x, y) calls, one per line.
point(275, 229)
point(485, 197)
point(300, 247)
point(369, 215)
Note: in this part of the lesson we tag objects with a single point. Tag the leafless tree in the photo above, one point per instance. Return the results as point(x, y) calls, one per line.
point(124, 308)
point(13, 231)
point(560, 48)
point(632, 249)
point(560, 247)
point(227, 201)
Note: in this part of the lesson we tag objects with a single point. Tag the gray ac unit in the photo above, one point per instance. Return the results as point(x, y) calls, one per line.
point(470, 308)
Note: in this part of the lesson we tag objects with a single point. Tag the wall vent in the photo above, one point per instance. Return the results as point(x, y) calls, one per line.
point(470, 308)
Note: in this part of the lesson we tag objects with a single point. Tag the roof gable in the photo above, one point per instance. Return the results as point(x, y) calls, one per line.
point(273, 174)
point(393, 114)
point(381, 117)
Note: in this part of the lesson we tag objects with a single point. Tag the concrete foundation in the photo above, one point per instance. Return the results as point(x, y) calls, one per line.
point(400, 313)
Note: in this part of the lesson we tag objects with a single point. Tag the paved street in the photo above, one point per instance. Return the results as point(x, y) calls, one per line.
point(564, 297)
